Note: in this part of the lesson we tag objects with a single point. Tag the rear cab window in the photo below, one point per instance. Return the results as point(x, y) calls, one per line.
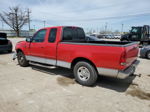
point(73, 34)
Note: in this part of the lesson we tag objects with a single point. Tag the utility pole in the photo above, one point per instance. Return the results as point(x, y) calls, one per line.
point(28, 14)
point(2, 24)
point(122, 28)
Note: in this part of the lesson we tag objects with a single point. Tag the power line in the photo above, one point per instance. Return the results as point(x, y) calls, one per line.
point(101, 18)
point(112, 17)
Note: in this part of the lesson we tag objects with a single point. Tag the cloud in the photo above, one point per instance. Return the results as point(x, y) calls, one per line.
point(55, 11)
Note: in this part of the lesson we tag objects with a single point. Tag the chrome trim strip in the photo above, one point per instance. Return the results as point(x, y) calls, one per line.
point(63, 64)
point(41, 60)
point(107, 72)
point(120, 74)
point(49, 61)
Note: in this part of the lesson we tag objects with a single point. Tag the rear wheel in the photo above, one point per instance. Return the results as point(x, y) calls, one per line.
point(22, 59)
point(148, 55)
point(85, 74)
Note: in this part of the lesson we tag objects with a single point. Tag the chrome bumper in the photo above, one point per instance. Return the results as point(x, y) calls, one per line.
point(14, 56)
point(129, 71)
point(117, 73)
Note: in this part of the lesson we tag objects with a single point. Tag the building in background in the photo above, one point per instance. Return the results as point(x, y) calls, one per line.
point(23, 33)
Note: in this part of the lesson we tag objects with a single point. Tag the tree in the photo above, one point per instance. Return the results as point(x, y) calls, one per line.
point(16, 18)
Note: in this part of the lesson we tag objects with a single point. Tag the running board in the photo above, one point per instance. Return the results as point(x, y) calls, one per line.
point(42, 65)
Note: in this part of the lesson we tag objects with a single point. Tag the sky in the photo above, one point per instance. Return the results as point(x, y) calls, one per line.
point(89, 14)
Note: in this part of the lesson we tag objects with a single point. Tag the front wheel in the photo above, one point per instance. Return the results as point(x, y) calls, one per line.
point(85, 74)
point(148, 55)
point(22, 59)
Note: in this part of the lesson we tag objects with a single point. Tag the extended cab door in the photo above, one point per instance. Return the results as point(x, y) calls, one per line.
point(36, 47)
point(51, 46)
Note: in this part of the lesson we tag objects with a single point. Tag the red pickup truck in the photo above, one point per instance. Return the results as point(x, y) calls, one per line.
point(66, 46)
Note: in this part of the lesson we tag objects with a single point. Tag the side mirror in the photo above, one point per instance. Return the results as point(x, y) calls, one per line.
point(28, 39)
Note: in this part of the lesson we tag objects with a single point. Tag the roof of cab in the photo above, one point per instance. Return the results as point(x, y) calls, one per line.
point(59, 27)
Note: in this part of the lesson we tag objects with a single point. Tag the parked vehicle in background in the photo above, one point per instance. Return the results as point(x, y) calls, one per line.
point(5, 44)
point(117, 36)
point(97, 35)
point(92, 38)
point(145, 52)
point(66, 46)
point(109, 36)
point(140, 33)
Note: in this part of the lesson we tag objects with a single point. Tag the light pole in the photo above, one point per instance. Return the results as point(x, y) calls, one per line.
point(28, 15)
point(106, 27)
point(34, 27)
point(44, 23)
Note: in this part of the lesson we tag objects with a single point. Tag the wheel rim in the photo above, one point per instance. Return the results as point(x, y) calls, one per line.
point(21, 59)
point(83, 73)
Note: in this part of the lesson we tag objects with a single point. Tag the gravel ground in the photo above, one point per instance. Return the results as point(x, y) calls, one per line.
point(38, 89)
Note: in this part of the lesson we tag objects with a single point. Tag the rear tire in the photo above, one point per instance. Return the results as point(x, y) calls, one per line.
point(85, 74)
point(22, 59)
point(148, 55)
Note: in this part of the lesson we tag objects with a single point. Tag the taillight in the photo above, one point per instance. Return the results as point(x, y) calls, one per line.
point(123, 59)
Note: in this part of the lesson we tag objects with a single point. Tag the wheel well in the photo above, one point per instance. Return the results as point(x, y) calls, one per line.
point(82, 59)
point(19, 50)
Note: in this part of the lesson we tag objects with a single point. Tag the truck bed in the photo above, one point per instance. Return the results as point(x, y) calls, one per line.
point(105, 54)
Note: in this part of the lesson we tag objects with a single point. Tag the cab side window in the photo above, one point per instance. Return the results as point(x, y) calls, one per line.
point(52, 35)
point(39, 36)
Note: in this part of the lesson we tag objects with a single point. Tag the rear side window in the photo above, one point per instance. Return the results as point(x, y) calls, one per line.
point(52, 35)
point(81, 34)
point(67, 34)
point(73, 34)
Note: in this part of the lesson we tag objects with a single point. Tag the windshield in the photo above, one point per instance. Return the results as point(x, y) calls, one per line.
point(135, 30)
point(73, 34)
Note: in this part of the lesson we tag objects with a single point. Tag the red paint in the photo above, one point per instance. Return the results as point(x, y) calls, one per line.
point(102, 56)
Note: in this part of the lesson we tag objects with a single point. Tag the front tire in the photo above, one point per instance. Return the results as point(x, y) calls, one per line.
point(148, 55)
point(85, 74)
point(22, 59)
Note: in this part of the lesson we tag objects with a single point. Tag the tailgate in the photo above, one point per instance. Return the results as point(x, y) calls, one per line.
point(131, 53)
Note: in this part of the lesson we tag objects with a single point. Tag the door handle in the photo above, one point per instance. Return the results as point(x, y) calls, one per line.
point(42, 47)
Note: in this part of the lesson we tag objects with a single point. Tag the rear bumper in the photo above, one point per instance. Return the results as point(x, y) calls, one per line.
point(130, 70)
point(5, 47)
point(120, 74)
point(143, 53)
